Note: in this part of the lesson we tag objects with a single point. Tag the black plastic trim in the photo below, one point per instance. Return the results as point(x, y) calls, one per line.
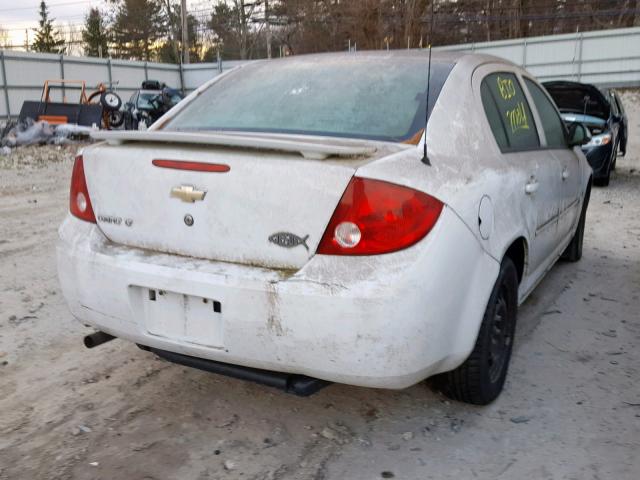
point(300, 385)
point(97, 338)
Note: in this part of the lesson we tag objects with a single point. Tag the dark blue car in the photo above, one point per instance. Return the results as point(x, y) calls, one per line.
point(601, 111)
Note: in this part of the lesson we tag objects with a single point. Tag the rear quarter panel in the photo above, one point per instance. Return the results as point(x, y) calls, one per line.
point(466, 164)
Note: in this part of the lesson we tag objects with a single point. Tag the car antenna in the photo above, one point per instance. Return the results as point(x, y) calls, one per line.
point(425, 158)
point(584, 110)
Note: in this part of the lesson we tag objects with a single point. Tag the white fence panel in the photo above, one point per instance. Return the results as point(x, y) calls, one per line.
point(198, 74)
point(128, 74)
point(168, 74)
point(606, 57)
point(560, 52)
point(91, 70)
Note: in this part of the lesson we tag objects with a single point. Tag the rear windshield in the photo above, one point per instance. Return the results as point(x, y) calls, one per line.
point(382, 98)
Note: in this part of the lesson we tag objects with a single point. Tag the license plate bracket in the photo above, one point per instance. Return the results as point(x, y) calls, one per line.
point(187, 318)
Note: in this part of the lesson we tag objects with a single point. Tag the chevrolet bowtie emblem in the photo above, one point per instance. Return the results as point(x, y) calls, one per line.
point(187, 193)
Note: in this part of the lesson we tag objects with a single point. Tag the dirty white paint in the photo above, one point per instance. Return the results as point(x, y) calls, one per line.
point(382, 321)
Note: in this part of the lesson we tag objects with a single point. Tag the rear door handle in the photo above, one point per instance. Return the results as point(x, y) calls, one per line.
point(531, 186)
point(565, 174)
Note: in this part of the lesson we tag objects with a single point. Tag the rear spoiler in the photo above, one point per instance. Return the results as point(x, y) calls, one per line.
point(308, 149)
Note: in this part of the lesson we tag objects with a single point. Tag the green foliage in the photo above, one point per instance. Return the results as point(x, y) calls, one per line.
point(138, 26)
point(169, 51)
point(47, 39)
point(94, 35)
point(237, 27)
point(241, 29)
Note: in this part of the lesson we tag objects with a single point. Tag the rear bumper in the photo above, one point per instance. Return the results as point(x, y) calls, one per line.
point(387, 321)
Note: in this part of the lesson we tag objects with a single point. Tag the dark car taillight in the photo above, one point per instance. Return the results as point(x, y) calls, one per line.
point(376, 217)
point(79, 200)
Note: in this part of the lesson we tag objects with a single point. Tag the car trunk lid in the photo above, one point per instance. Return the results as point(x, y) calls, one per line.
point(270, 207)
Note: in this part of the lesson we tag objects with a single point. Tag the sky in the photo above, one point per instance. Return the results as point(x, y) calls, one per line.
point(18, 15)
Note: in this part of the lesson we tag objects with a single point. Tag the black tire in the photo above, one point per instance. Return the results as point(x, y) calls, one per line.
point(116, 119)
point(603, 181)
point(110, 101)
point(480, 379)
point(573, 252)
point(128, 121)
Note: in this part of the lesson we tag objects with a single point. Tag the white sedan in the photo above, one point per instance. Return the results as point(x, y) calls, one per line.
point(283, 225)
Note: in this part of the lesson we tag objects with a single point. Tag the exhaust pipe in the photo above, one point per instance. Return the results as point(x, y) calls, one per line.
point(97, 338)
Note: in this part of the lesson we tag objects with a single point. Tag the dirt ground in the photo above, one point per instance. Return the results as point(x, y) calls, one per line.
point(571, 408)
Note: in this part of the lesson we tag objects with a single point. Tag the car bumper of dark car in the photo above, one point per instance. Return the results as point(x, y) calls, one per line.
point(599, 158)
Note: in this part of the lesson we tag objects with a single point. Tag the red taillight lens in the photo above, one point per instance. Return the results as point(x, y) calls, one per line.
point(192, 166)
point(79, 200)
point(378, 217)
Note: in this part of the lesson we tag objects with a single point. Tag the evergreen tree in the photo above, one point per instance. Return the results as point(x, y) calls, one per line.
point(94, 35)
point(47, 39)
point(138, 25)
point(169, 51)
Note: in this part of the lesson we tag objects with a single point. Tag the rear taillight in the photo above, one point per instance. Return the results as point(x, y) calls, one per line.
point(79, 200)
point(378, 217)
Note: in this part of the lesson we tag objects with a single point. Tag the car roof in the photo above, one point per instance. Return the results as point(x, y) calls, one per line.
point(468, 59)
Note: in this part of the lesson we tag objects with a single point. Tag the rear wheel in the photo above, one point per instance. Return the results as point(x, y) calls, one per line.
point(573, 252)
point(604, 181)
point(480, 379)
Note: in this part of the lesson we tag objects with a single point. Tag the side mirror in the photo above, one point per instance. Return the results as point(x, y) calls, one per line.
point(578, 134)
point(616, 118)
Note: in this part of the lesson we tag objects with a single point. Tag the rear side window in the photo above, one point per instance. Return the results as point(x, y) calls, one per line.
point(508, 112)
point(551, 122)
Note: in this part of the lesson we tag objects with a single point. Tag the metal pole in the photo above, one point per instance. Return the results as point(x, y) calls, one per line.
point(109, 73)
point(185, 33)
point(64, 93)
point(580, 57)
point(146, 73)
point(524, 54)
point(4, 84)
point(268, 25)
point(181, 78)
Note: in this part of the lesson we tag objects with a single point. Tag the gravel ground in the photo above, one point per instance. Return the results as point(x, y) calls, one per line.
point(571, 408)
point(36, 156)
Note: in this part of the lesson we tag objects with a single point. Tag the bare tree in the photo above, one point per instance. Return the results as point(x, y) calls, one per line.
point(5, 40)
